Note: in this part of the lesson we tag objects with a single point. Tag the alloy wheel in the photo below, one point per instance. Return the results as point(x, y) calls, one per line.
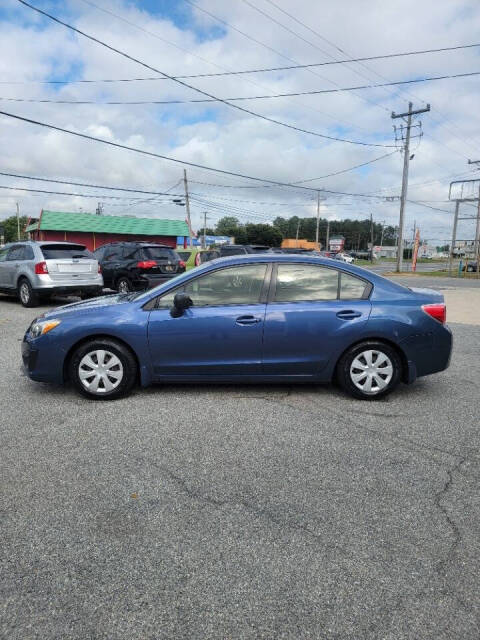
point(371, 371)
point(100, 371)
point(123, 286)
point(24, 293)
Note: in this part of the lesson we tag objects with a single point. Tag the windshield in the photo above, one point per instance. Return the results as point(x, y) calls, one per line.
point(65, 251)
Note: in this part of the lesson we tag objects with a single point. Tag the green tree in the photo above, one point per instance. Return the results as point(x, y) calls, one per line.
point(9, 228)
point(227, 226)
point(263, 234)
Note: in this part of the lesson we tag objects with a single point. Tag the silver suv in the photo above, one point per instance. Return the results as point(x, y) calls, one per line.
point(37, 270)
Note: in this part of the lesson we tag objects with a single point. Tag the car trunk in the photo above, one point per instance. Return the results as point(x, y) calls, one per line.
point(67, 262)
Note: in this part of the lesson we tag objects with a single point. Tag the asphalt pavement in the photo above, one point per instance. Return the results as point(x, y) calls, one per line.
point(240, 512)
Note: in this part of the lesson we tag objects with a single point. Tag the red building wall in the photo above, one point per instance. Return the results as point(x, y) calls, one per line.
point(94, 240)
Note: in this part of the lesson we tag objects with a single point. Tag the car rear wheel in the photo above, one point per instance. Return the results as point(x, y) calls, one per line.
point(369, 370)
point(27, 295)
point(103, 370)
point(124, 285)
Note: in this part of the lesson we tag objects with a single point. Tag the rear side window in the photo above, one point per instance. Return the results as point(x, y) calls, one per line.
point(28, 253)
point(184, 255)
point(302, 282)
point(352, 288)
point(159, 253)
point(98, 253)
point(16, 253)
point(65, 251)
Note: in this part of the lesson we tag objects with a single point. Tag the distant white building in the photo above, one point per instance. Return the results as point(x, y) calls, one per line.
point(385, 251)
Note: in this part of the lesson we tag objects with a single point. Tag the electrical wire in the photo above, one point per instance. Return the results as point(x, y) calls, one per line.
point(257, 97)
point(189, 86)
point(241, 72)
point(157, 155)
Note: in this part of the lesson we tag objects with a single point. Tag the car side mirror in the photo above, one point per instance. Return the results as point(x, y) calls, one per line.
point(181, 302)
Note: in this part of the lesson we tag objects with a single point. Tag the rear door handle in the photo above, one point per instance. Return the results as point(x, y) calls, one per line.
point(348, 314)
point(247, 320)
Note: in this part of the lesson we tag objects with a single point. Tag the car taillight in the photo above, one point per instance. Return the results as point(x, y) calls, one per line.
point(41, 267)
point(182, 264)
point(437, 311)
point(99, 269)
point(146, 264)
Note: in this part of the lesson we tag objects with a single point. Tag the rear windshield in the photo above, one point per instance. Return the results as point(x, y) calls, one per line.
point(62, 251)
point(159, 253)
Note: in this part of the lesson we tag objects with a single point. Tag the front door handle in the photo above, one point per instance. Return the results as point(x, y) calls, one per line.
point(247, 320)
point(348, 314)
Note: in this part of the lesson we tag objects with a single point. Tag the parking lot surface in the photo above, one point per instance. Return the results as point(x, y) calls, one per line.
point(240, 512)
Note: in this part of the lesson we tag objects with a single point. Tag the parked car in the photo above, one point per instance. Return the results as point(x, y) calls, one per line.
point(133, 266)
point(344, 257)
point(34, 271)
point(242, 249)
point(257, 318)
point(196, 257)
point(471, 267)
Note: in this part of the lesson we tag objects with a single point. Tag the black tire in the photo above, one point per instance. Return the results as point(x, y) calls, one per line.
point(123, 285)
point(344, 370)
point(26, 294)
point(117, 349)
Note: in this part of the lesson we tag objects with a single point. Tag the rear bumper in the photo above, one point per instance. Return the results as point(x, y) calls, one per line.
point(48, 284)
point(428, 353)
point(71, 289)
point(148, 281)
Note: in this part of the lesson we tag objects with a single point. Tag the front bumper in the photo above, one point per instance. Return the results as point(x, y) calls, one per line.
point(42, 363)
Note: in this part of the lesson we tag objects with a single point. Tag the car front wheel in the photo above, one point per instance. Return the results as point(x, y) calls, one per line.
point(369, 370)
point(103, 370)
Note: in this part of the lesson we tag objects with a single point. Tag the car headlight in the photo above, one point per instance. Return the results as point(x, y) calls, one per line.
point(40, 327)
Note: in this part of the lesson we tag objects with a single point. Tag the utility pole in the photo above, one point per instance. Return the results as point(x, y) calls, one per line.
point(319, 198)
point(204, 240)
point(187, 204)
point(454, 237)
point(371, 238)
point(406, 160)
point(296, 237)
point(18, 223)
point(328, 236)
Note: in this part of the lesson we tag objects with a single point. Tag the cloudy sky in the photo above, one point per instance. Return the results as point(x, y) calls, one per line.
point(42, 60)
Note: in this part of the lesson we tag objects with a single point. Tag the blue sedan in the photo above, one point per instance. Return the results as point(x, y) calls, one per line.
point(253, 318)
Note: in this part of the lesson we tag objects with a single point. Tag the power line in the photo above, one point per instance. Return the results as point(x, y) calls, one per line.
point(241, 72)
point(150, 153)
point(257, 97)
point(63, 193)
point(189, 86)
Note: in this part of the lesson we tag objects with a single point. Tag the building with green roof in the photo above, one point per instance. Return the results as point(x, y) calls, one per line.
point(94, 230)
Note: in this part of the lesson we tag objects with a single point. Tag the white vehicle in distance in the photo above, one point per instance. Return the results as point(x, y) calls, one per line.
point(345, 257)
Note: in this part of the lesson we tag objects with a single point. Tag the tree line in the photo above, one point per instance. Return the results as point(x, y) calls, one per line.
point(357, 233)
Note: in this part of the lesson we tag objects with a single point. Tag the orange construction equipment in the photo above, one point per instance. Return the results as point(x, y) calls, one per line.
point(292, 243)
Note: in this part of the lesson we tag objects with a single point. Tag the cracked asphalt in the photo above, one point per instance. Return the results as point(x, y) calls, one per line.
point(240, 512)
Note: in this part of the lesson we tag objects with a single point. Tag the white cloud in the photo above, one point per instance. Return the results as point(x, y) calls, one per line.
point(232, 140)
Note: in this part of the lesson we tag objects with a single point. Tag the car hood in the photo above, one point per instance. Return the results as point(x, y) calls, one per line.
point(88, 305)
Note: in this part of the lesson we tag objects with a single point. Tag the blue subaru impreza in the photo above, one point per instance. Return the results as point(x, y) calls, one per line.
point(255, 318)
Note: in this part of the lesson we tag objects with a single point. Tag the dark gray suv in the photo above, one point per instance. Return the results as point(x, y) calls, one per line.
point(36, 270)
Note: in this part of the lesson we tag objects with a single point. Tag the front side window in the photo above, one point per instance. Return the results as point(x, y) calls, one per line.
point(304, 282)
point(230, 286)
point(3, 254)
